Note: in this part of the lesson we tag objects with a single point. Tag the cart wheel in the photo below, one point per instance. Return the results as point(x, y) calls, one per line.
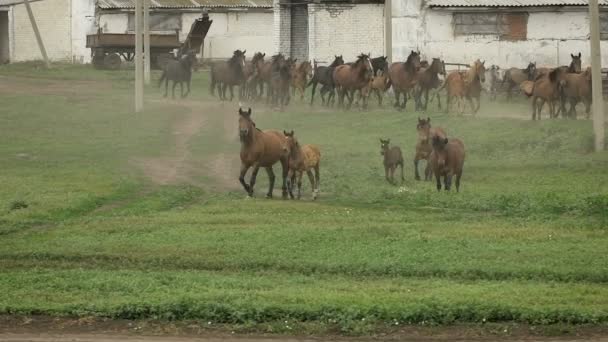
point(162, 59)
point(112, 61)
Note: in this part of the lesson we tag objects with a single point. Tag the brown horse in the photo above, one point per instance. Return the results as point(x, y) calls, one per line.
point(427, 79)
point(455, 86)
point(228, 74)
point(260, 149)
point(447, 160)
point(299, 77)
point(392, 158)
point(280, 80)
point(403, 77)
point(349, 78)
point(546, 89)
point(514, 77)
point(466, 84)
point(576, 88)
point(249, 88)
point(424, 147)
point(302, 158)
point(377, 85)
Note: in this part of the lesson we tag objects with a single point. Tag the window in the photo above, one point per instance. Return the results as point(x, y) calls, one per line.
point(508, 26)
point(159, 22)
point(604, 25)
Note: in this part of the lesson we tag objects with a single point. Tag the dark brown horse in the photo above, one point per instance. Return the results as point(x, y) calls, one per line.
point(350, 78)
point(325, 76)
point(228, 74)
point(424, 147)
point(260, 149)
point(180, 72)
point(427, 79)
point(575, 88)
point(514, 77)
point(403, 77)
point(447, 161)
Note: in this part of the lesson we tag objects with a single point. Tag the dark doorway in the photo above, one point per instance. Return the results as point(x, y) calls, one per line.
point(299, 32)
point(5, 51)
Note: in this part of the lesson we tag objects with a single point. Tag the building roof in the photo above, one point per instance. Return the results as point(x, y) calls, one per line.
point(13, 2)
point(168, 4)
point(510, 3)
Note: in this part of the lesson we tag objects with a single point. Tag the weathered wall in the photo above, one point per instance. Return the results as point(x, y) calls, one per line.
point(551, 37)
point(83, 23)
point(345, 29)
point(229, 31)
point(53, 19)
point(281, 28)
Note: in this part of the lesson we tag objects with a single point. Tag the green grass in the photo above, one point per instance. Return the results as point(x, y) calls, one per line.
point(85, 232)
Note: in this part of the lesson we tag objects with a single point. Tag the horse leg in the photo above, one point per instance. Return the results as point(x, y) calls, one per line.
point(447, 105)
point(587, 108)
point(438, 100)
point(181, 90)
point(231, 92)
point(402, 176)
point(300, 184)
point(417, 175)
point(312, 97)
point(244, 169)
point(317, 180)
point(470, 100)
point(448, 182)
point(285, 170)
point(458, 175)
point(188, 87)
point(166, 87)
point(438, 179)
point(173, 90)
point(386, 173)
point(254, 175)
point(270, 180)
point(405, 96)
point(224, 86)
point(397, 94)
point(428, 173)
point(311, 178)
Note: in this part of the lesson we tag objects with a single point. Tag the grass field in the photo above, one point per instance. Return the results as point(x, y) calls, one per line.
point(141, 215)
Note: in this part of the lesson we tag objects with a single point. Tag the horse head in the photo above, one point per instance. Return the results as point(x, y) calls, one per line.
point(575, 65)
point(338, 60)
point(291, 143)
point(479, 70)
point(531, 71)
point(246, 125)
point(424, 129)
point(363, 62)
point(384, 144)
point(413, 61)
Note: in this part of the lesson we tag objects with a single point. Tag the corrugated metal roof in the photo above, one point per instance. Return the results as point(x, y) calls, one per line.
point(13, 2)
point(127, 4)
point(510, 3)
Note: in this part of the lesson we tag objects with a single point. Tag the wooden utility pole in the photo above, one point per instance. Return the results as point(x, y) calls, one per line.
point(147, 60)
point(36, 32)
point(596, 76)
point(388, 30)
point(139, 67)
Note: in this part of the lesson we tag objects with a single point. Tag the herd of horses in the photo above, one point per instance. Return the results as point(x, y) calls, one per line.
point(265, 148)
point(420, 80)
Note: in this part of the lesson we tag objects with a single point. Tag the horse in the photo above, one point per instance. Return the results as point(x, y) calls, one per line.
point(260, 149)
point(179, 71)
point(447, 160)
point(324, 75)
point(378, 85)
point(228, 74)
point(494, 76)
point(280, 80)
point(424, 147)
point(249, 87)
point(302, 158)
point(379, 64)
point(349, 78)
point(514, 77)
point(299, 77)
point(546, 89)
point(427, 79)
point(403, 77)
point(466, 84)
point(576, 88)
point(392, 158)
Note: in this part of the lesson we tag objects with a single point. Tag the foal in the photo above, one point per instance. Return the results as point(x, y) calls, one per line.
point(302, 158)
point(392, 159)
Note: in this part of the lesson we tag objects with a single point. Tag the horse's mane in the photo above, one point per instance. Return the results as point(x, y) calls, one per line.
point(235, 56)
point(409, 62)
point(471, 74)
point(335, 62)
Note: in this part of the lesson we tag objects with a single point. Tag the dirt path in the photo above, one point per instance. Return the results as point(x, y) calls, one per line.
point(181, 167)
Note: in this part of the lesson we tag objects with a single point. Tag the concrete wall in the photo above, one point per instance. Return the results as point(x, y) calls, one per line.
point(53, 19)
point(83, 23)
point(345, 29)
point(551, 37)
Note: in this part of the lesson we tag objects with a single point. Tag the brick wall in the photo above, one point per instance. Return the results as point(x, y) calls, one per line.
point(54, 22)
point(345, 29)
point(281, 28)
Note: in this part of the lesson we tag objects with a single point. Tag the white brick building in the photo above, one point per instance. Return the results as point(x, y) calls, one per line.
point(509, 33)
point(63, 25)
point(319, 30)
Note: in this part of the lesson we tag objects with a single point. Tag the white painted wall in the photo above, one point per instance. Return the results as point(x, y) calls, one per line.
point(83, 23)
point(113, 22)
point(348, 30)
point(551, 37)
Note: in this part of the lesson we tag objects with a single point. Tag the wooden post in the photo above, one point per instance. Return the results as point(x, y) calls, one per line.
point(596, 76)
point(388, 30)
point(139, 68)
point(147, 60)
point(36, 32)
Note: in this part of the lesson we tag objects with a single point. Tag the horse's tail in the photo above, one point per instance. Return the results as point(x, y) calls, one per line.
point(162, 78)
